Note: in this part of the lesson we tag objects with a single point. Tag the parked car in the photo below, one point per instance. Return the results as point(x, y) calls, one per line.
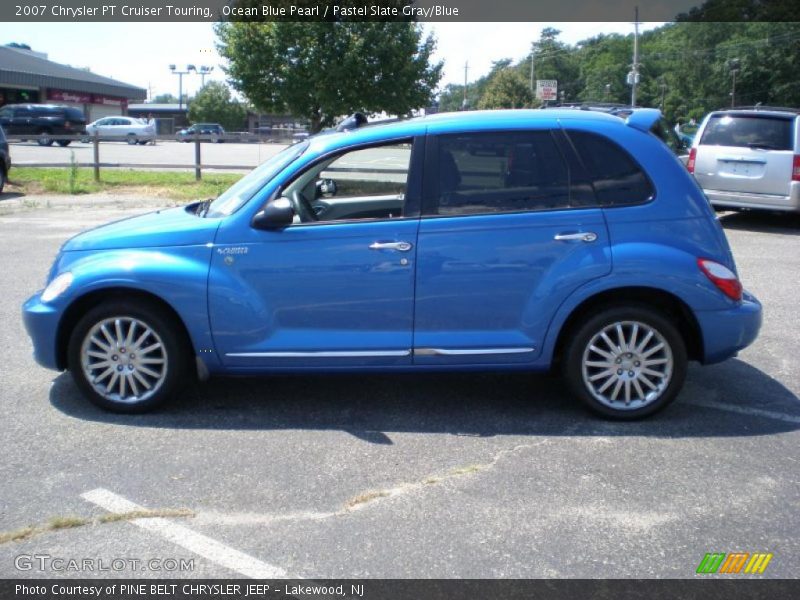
point(586, 247)
point(208, 132)
point(749, 158)
point(44, 122)
point(5, 160)
point(122, 129)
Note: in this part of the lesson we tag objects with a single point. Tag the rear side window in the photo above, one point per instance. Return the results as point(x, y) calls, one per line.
point(501, 172)
point(617, 179)
point(748, 131)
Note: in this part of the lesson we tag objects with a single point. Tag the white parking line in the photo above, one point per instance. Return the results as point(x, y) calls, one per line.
point(746, 410)
point(198, 543)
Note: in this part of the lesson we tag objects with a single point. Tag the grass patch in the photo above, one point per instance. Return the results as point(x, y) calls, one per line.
point(75, 180)
point(57, 523)
point(466, 470)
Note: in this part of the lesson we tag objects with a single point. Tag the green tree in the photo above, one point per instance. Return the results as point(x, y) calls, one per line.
point(165, 99)
point(506, 89)
point(213, 104)
point(321, 71)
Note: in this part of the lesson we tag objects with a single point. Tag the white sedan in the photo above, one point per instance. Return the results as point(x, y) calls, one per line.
point(133, 131)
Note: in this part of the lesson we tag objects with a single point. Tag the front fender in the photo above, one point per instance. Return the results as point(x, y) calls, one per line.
point(177, 276)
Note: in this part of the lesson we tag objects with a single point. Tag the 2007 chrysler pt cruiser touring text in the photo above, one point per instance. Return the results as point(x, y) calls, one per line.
point(497, 240)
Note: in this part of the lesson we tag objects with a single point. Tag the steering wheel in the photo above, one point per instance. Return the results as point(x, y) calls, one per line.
point(303, 207)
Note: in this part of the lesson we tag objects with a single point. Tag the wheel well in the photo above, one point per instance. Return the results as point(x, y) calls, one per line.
point(79, 307)
point(671, 306)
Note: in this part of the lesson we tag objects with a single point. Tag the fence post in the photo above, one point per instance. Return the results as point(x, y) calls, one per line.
point(197, 155)
point(96, 143)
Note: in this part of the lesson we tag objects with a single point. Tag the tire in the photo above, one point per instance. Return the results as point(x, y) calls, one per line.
point(132, 139)
point(648, 367)
point(64, 143)
point(2, 179)
point(143, 142)
point(45, 138)
point(100, 381)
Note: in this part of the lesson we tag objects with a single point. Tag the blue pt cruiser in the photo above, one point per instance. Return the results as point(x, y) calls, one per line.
point(506, 240)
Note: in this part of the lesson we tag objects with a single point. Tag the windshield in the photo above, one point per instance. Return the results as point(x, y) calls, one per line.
point(235, 196)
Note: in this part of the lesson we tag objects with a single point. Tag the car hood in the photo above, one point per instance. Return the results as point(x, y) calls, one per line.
point(170, 227)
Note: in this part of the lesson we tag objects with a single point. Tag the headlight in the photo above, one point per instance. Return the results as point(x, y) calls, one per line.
point(57, 287)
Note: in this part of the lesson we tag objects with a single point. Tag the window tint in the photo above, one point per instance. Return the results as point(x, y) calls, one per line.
point(617, 179)
point(74, 114)
point(501, 172)
point(755, 131)
point(668, 136)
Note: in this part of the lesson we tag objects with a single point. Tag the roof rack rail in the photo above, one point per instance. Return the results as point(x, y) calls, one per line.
point(354, 121)
point(760, 106)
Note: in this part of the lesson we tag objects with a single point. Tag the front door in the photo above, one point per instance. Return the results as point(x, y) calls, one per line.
point(502, 242)
point(336, 288)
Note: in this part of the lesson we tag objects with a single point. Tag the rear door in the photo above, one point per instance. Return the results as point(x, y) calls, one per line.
point(506, 236)
point(746, 152)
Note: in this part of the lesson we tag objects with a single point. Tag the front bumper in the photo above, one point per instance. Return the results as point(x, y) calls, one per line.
point(725, 332)
point(41, 322)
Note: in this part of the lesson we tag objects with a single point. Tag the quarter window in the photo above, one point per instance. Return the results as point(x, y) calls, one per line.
point(501, 172)
point(616, 177)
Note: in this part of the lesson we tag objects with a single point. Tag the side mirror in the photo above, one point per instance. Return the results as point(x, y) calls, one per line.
point(276, 215)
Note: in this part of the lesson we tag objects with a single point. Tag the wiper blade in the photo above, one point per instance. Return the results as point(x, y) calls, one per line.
point(762, 146)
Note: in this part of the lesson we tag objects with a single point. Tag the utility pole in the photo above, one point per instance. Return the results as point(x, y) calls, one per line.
point(464, 101)
point(533, 58)
point(635, 71)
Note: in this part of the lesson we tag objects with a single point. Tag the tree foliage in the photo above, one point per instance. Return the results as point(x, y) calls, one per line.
point(213, 104)
point(687, 68)
point(321, 71)
point(506, 89)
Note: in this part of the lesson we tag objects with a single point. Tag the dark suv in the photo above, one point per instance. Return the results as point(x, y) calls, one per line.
point(5, 160)
point(44, 121)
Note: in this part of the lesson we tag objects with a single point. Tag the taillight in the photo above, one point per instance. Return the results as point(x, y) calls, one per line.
point(692, 157)
point(796, 168)
point(722, 277)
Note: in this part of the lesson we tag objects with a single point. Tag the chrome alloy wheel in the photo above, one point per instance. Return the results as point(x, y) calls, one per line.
point(627, 365)
point(124, 359)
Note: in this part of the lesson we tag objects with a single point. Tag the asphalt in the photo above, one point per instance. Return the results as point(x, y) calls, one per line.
point(473, 475)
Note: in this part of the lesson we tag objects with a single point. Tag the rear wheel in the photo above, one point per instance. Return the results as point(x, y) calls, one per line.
point(132, 139)
point(127, 357)
point(45, 138)
point(2, 178)
point(626, 362)
point(64, 143)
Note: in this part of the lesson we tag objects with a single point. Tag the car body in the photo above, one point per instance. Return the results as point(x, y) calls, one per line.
point(207, 132)
point(587, 247)
point(122, 129)
point(5, 160)
point(749, 158)
point(44, 122)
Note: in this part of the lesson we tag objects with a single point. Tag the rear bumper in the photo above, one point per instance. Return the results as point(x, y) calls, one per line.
point(725, 332)
point(41, 323)
point(766, 201)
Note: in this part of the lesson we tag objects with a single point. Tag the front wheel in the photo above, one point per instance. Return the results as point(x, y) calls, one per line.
point(45, 138)
point(126, 357)
point(626, 362)
point(64, 143)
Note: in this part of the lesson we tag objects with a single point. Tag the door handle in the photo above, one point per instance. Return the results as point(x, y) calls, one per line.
point(399, 246)
point(584, 236)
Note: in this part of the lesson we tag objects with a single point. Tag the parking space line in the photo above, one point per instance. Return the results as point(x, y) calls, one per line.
point(746, 410)
point(204, 546)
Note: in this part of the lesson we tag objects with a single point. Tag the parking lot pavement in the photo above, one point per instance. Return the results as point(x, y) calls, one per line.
point(470, 475)
point(164, 152)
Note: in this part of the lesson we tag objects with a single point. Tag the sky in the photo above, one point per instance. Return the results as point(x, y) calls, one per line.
point(140, 53)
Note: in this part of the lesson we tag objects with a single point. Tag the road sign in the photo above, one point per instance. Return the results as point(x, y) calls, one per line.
point(547, 89)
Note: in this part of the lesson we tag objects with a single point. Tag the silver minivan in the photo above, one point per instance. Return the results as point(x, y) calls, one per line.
point(749, 158)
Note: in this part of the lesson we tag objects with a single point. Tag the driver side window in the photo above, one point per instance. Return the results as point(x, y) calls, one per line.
point(367, 183)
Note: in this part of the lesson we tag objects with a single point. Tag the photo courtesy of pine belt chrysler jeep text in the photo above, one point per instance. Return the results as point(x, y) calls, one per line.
point(504, 240)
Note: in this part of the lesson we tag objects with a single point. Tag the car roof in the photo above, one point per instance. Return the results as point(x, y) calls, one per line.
point(455, 122)
point(768, 111)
